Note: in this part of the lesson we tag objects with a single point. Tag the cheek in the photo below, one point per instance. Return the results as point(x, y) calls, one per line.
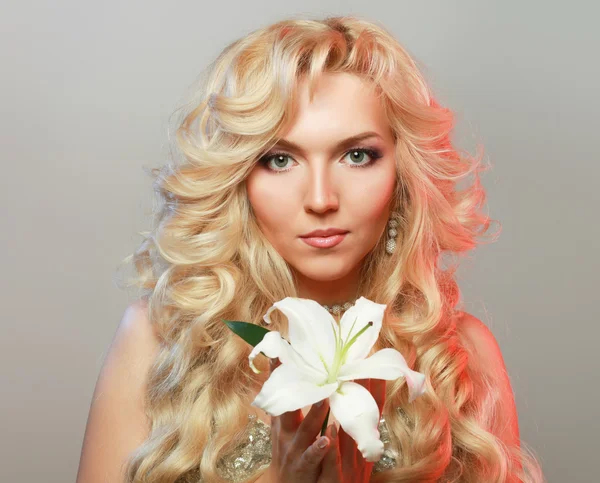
point(371, 202)
point(268, 202)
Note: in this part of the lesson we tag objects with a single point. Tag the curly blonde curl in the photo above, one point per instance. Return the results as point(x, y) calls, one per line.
point(206, 260)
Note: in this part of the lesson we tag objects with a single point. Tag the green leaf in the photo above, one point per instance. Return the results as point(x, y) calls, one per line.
point(251, 333)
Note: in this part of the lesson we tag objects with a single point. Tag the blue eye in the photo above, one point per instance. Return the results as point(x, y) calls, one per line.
point(282, 157)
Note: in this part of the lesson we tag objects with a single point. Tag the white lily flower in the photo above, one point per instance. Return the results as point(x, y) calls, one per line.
point(322, 359)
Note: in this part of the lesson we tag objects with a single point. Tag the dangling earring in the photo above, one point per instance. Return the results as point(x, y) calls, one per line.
point(390, 245)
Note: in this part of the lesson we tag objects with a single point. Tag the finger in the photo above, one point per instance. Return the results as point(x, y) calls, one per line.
point(311, 425)
point(331, 471)
point(352, 459)
point(290, 421)
point(310, 461)
point(348, 450)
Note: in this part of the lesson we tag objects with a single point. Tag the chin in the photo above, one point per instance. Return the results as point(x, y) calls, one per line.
point(324, 270)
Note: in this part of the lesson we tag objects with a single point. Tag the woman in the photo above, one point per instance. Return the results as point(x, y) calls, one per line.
point(306, 125)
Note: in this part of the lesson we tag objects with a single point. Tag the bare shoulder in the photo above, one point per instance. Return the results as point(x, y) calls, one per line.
point(485, 357)
point(135, 328)
point(117, 421)
point(480, 341)
point(135, 344)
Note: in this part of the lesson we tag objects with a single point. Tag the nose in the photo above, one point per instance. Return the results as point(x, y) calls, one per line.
point(321, 193)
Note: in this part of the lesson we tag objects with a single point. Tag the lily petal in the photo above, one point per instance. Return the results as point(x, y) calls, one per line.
point(286, 390)
point(311, 329)
point(388, 364)
point(356, 410)
point(273, 345)
point(354, 319)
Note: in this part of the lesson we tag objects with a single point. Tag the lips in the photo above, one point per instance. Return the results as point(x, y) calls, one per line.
point(324, 233)
point(324, 241)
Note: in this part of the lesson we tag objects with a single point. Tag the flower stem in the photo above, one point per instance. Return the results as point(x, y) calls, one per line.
point(324, 427)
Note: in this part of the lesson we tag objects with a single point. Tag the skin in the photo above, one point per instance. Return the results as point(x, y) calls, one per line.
point(321, 189)
point(296, 457)
point(321, 186)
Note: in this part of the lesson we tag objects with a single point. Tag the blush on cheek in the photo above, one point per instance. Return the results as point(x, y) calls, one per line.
point(261, 194)
point(379, 195)
point(270, 208)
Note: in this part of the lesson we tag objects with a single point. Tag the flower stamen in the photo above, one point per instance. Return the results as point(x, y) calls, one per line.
point(342, 350)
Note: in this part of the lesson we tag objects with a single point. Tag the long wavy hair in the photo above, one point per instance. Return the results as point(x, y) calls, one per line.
point(206, 260)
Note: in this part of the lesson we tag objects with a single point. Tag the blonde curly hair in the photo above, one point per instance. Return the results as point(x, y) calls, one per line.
point(206, 260)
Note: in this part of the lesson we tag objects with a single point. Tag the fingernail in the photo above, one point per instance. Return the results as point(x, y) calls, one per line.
point(322, 442)
point(334, 430)
point(320, 403)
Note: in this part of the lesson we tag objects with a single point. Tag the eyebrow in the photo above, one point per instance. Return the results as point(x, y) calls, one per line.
point(343, 144)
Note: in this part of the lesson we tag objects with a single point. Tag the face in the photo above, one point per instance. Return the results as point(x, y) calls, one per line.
point(316, 181)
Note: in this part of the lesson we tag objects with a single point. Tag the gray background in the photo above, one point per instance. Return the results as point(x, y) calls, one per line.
point(88, 89)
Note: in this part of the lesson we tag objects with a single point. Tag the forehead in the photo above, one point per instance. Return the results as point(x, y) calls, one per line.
point(342, 104)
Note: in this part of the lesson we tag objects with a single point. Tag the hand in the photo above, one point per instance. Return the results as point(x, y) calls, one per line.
point(296, 457)
point(343, 462)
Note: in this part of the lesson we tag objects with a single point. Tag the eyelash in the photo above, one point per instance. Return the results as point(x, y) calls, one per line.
point(374, 154)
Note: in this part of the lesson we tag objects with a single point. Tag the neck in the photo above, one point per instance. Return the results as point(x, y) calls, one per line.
point(329, 292)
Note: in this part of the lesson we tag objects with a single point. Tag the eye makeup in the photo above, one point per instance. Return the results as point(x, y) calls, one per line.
point(373, 153)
